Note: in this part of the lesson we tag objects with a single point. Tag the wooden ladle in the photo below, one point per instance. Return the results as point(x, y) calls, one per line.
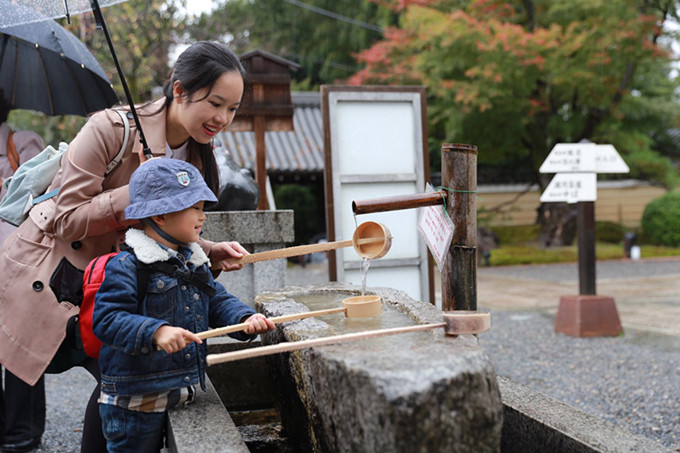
point(455, 323)
point(365, 306)
point(370, 240)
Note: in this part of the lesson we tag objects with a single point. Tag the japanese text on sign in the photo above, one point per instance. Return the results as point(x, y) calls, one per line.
point(571, 187)
point(437, 228)
point(568, 157)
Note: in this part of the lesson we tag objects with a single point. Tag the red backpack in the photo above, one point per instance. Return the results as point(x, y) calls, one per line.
point(93, 278)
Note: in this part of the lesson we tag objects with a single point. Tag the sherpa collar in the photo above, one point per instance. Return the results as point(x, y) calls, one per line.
point(149, 251)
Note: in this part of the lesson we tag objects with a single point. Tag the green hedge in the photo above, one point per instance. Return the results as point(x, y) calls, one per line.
point(661, 220)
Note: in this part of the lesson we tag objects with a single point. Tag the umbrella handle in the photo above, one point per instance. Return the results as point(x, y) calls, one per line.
point(99, 18)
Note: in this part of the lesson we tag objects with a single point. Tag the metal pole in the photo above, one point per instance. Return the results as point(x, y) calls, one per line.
point(99, 18)
point(459, 273)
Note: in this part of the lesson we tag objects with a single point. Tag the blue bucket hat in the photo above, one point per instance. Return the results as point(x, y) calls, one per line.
point(163, 186)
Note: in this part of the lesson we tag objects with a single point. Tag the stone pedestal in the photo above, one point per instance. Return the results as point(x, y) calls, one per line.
point(588, 316)
point(257, 231)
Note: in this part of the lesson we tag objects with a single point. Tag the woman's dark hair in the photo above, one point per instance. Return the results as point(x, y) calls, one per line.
point(4, 107)
point(198, 67)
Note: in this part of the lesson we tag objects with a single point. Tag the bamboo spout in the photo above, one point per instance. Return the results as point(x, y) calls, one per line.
point(398, 202)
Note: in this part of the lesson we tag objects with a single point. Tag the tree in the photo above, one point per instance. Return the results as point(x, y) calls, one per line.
point(320, 35)
point(517, 77)
point(143, 33)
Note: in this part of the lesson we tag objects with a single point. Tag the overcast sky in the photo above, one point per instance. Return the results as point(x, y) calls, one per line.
point(197, 7)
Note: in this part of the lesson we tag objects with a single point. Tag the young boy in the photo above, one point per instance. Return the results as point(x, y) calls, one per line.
point(151, 356)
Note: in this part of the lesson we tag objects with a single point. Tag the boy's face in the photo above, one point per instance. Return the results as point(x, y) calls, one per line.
point(185, 225)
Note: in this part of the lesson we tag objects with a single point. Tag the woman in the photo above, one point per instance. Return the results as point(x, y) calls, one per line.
point(22, 407)
point(87, 218)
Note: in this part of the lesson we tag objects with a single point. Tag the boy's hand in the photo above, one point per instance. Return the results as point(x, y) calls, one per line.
point(258, 323)
point(174, 339)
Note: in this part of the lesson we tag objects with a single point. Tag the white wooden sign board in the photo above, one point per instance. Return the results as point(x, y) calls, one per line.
point(570, 157)
point(376, 148)
point(583, 157)
point(608, 160)
point(571, 187)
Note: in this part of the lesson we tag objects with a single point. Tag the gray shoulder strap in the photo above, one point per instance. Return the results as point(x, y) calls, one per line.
point(126, 135)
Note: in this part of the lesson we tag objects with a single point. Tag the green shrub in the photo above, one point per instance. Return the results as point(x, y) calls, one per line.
point(610, 232)
point(661, 220)
point(516, 234)
point(301, 200)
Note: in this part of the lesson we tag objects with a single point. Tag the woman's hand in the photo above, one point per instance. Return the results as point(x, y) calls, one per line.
point(258, 323)
point(222, 251)
point(140, 152)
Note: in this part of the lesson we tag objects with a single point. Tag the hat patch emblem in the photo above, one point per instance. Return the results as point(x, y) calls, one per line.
point(183, 178)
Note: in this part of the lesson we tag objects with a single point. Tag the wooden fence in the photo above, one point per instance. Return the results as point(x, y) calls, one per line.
point(622, 202)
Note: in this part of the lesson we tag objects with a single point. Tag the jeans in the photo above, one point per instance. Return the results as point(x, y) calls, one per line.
point(132, 431)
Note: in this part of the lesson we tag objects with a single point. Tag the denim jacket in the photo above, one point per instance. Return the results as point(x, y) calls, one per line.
point(129, 361)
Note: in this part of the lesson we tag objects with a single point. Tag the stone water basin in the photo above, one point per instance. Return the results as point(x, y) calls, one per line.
point(407, 393)
point(415, 392)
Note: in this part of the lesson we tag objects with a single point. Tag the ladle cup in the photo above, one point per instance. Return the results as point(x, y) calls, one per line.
point(365, 306)
point(370, 240)
point(454, 323)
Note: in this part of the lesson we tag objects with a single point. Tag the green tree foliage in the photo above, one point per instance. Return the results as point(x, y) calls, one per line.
point(517, 77)
point(322, 39)
point(143, 32)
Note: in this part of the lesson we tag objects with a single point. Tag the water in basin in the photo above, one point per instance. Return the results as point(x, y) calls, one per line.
point(389, 318)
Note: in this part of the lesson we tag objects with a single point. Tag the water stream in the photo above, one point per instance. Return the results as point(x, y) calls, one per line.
point(366, 263)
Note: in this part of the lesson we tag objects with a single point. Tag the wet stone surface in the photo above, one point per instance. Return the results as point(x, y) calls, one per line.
point(425, 392)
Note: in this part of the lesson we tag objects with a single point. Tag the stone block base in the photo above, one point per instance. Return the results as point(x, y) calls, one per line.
point(588, 316)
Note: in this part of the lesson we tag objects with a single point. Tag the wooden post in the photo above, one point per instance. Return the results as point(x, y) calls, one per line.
point(459, 274)
point(586, 247)
point(261, 160)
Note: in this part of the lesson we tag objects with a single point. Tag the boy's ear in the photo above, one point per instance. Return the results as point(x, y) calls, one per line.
point(159, 219)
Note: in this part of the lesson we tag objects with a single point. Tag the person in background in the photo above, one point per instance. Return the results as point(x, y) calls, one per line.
point(86, 219)
point(151, 358)
point(22, 406)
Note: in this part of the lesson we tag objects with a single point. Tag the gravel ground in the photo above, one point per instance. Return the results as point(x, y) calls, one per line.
point(67, 395)
point(632, 381)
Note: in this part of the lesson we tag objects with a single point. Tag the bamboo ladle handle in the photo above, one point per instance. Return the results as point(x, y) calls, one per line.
point(276, 320)
point(287, 347)
point(298, 250)
point(460, 322)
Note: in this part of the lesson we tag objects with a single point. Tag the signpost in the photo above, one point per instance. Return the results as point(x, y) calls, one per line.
point(571, 187)
point(576, 166)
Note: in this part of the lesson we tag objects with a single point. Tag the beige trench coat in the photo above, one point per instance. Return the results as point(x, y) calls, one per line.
point(85, 220)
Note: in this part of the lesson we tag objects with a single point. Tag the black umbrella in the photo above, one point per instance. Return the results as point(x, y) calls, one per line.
point(46, 68)
point(66, 8)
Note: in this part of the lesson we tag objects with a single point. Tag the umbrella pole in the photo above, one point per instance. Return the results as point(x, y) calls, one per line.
point(101, 23)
